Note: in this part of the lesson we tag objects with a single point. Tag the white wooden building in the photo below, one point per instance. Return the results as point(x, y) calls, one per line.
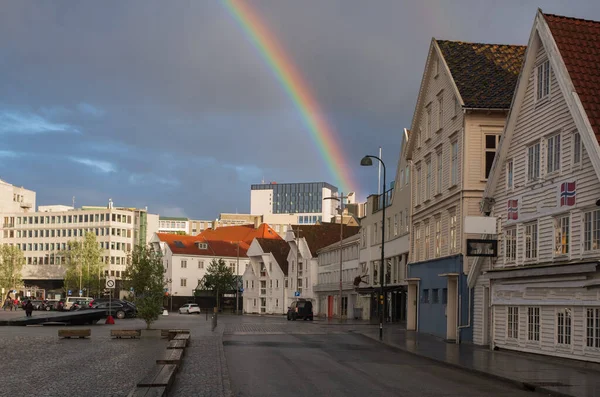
point(541, 295)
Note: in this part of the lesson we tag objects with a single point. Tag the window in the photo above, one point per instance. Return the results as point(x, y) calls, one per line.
point(593, 328)
point(439, 175)
point(406, 219)
point(563, 326)
point(533, 162)
point(491, 145)
point(543, 80)
point(426, 250)
point(428, 180)
point(456, 107)
point(553, 154)
point(440, 118)
point(513, 322)
point(453, 237)
point(591, 230)
point(438, 237)
point(444, 296)
point(395, 224)
point(417, 243)
point(425, 296)
point(200, 264)
point(418, 190)
point(531, 240)
point(406, 176)
point(509, 174)
point(454, 164)
point(561, 235)
point(510, 245)
point(184, 264)
point(428, 122)
point(184, 282)
point(435, 295)
point(576, 148)
point(533, 324)
point(401, 179)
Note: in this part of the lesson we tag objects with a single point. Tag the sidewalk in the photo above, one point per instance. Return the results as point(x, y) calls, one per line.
point(543, 374)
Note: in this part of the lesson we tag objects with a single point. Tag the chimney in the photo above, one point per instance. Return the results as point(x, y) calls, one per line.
point(215, 224)
point(256, 222)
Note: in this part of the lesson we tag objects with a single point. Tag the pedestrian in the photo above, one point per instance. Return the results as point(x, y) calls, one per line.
point(28, 308)
point(16, 304)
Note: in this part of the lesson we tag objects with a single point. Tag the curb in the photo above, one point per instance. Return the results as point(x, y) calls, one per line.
point(523, 385)
point(227, 392)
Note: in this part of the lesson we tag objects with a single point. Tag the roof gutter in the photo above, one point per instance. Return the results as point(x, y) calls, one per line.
point(487, 109)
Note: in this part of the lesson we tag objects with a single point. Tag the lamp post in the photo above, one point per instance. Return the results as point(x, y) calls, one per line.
point(237, 281)
point(341, 201)
point(366, 161)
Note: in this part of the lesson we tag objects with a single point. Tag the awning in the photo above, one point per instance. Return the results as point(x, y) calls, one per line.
point(541, 271)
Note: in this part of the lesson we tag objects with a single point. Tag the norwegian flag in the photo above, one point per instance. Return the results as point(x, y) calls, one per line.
point(567, 194)
point(513, 209)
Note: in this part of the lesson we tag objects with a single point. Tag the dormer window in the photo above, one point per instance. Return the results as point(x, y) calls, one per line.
point(202, 246)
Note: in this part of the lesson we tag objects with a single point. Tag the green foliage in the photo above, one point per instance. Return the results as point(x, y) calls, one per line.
point(145, 275)
point(11, 264)
point(84, 266)
point(219, 278)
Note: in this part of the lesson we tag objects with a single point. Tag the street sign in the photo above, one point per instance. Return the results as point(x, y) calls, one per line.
point(241, 289)
point(80, 292)
point(110, 282)
point(296, 293)
point(69, 292)
point(476, 247)
point(166, 290)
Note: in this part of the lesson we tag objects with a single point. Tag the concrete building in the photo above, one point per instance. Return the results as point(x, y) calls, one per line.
point(327, 288)
point(397, 244)
point(42, 235)
point(15, 199)
point(283, 204)
point(540, 295)
point(464, 97)
point(175, 225)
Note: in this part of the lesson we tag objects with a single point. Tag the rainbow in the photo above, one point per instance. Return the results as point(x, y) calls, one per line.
point(322, 134)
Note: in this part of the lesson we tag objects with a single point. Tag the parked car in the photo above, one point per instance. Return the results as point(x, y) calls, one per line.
point(117, 308)
point(72, 299)
point(189, 308)
point(302, 309)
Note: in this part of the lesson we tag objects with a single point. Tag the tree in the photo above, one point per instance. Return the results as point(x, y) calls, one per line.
point(145, 275)
point(11, 264)
point(219, 278)
point(84, 266)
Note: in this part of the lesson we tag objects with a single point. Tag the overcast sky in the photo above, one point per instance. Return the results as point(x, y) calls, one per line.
point(168, 105)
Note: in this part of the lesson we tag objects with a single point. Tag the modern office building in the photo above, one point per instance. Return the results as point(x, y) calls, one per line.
point(167, 224)
point(15, 199)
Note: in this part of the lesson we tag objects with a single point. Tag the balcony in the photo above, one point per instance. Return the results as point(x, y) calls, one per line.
point(379, 199)
point(26, 205)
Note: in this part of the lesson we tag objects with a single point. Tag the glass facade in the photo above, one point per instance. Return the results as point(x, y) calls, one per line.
point(291, 198)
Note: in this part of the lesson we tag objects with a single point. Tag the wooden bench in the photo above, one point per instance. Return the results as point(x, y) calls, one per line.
point(125, 333)
point(171, 356)
point(148, 392)
point(159, 376)
point(74, 333)
point(184, 337)
point(172, 333)
point(176, 344)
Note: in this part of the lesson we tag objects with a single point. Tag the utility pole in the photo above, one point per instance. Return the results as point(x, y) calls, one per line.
point(298, 231)
point(237, 282)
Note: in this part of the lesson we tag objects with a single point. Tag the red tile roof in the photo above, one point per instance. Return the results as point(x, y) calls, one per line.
point(578, 41)
point(319, 236)
point(245, 233)
point(188, 245)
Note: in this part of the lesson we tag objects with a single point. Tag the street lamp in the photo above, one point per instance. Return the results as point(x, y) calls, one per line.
point(341, 201)
point(365, 162)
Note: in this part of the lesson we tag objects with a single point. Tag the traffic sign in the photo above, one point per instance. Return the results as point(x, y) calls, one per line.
point(296, 293)
point(110, 282)
point(80, 292)
point(69, 292)
point(166, 290)
point(241, 289)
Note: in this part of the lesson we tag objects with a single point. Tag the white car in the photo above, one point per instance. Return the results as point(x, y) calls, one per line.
point(189, 308)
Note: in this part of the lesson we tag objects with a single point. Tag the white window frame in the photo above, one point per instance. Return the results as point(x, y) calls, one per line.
point(533, 161)
point(407, 176)
point(577, 148)
point(440, 115)
point(562, 232)
point(428, 121)
point(564, 327)
point(553, 154)
point(439, 172)
point(452, 220)
point(454, 163)
point(510, 244)
point(438, 236)
point(512, 322)
point(428, 179)
point(427, 239)
point(183, 264)
point(487, 150)
point(510, 174)
point(592, 328)
point(395, 224)
point(418, 189)
point(531, 241)
point(591, 231)
point(417, 252)
point(542, 78)
point(533, 324)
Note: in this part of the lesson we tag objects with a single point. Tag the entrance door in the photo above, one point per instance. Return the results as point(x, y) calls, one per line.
point(330, 306)
point(486, 315)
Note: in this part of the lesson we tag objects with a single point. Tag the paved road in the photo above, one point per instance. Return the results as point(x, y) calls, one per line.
point(340, 364)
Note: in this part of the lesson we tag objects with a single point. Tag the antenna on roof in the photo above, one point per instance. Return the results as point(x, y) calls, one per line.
point(73, 201)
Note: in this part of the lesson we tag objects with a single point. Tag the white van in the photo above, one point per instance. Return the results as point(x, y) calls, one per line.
point(72, 299)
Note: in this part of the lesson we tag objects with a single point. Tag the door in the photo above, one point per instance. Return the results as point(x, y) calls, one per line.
point(330, 306)
point(486, 316)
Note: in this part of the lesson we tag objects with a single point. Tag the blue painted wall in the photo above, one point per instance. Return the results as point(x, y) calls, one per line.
point(432, 315)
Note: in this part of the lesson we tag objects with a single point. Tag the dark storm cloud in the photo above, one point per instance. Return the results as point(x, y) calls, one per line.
point(168, 105)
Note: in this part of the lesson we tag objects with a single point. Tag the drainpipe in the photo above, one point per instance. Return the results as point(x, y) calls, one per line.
point(468, 324)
